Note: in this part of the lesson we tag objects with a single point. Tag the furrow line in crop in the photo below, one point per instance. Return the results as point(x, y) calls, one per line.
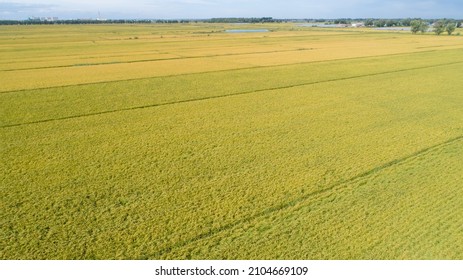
point(286, 205)
point(225, 95)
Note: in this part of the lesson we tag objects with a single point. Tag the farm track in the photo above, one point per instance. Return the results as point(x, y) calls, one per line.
point(217, 71)
point(294, 202)
point(227, 95)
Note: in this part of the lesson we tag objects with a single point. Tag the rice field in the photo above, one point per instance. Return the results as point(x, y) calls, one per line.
point(185, 142)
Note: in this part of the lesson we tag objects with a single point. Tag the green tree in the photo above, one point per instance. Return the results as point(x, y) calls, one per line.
point(439, 27)
point(450, 28)
point(369, 22)
point(380, 23)
point(424, 27)
point(406, 22)
point(415, 26)
point(418, 25)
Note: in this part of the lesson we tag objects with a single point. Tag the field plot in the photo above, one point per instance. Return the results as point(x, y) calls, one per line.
point(184, 142)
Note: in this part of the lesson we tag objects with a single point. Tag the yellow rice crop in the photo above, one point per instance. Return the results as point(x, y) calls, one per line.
point(276, 157)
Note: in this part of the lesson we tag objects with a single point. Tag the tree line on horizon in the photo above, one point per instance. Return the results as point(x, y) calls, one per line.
point(438, 27)
point(369, 22)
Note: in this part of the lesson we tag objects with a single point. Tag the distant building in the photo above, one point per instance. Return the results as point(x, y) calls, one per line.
point(99, 18)
point(358, 24)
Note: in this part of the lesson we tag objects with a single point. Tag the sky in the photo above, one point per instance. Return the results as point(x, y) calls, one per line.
point(201, 9)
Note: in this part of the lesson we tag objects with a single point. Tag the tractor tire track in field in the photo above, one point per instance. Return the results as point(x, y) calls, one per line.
point(220, 71)
point(334, 187)
point(225, 95)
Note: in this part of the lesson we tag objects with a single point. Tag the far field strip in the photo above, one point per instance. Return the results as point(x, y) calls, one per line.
point(161, 56)
point(113, 72)
point(42, 52)
point(67, 100)
point(187, 49)
point(219, 39)
point(150, 60)
point(209, 72)
point(46, 78)
point(98, 46)
point(85, 50)
point(299, 203)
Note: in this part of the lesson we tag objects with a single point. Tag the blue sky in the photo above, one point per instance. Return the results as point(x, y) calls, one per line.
point(163, 9)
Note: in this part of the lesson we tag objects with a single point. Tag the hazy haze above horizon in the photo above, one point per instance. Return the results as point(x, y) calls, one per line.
point(198, 9)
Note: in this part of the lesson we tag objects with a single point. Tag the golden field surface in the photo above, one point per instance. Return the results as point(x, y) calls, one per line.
point(186, 142)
